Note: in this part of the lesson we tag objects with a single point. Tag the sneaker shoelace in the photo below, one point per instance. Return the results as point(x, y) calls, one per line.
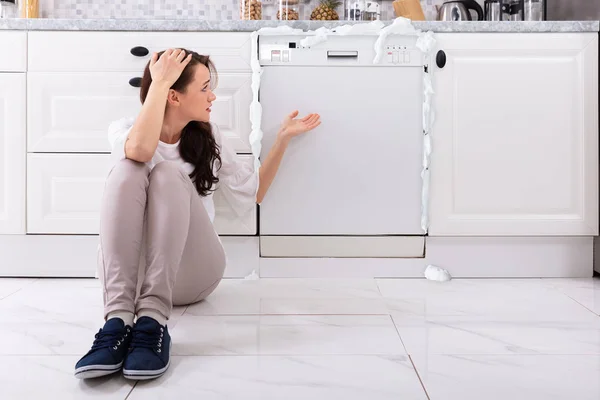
point(150, 339)
point(105, 339)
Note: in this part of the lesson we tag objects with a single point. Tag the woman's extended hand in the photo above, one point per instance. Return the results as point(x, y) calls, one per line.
point(168, 68)
point(292, 127)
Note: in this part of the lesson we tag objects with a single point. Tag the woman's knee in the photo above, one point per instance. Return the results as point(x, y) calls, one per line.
point(165, 173)
point(126, 171)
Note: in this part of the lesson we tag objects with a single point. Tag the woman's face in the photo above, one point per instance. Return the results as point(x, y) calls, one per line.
point(198, 97)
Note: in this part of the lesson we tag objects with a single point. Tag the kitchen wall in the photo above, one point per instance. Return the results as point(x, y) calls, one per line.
point(228, 9)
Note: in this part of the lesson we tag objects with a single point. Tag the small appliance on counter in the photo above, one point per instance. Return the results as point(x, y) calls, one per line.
point(460, 11)
point(534, 10)
point(493, 10)
point(515, 10)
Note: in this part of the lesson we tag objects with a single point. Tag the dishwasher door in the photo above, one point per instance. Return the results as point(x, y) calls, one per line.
point(359, 172)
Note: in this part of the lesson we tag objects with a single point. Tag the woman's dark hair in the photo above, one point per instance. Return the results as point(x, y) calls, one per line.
point(197, 145)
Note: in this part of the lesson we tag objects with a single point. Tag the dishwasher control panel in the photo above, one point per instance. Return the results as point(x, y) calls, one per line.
point(399, 54)
point(398, 51)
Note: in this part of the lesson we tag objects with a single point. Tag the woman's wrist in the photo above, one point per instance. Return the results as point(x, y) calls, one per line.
point(160, 86)
point(283, 137)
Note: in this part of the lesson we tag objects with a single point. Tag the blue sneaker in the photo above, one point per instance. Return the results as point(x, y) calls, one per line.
point(108, 351)
point(148, 356)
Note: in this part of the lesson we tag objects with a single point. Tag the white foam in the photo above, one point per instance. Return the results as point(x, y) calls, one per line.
point(400, 26)
point(280, 30)
point(256, 133)
point(437, 274)
point(316, 37)
point(252, 277)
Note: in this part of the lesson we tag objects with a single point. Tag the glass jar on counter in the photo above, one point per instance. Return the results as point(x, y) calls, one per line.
point(535, 10)
point(372, 10)
point(362, 10)
point(8, 9)
point(287, 10)
point(250, 9)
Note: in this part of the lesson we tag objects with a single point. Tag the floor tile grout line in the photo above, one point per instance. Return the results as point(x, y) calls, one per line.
point(581, 304)
point(342, 355)
point(378, 287)
point(288, 315)
point(19, 289)
point(398, 333)
point(131, 391)
point(419, 377)
point(338, 355)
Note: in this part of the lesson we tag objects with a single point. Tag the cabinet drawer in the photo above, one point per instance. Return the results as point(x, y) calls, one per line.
point(71, 112)
point(111, 51)
point(64, 194)
point(13, 48)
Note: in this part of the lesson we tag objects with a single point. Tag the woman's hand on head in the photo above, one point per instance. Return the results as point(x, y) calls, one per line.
point(168, 68)
point(292, 127)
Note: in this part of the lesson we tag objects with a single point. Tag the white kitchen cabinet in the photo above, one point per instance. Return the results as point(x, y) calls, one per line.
point(227, 221)
point(13, 48)
point(65, 193)
point(112, 51)
point(71, 111)
point(231, 110)
point(515, 139)
point(12, 153)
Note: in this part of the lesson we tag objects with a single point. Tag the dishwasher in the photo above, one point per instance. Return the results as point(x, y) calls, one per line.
point(352, 187)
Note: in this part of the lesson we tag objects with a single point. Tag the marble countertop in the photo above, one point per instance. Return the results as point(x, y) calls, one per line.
point(249, 26)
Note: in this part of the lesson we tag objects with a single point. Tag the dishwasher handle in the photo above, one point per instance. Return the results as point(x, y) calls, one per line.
point(342, 54)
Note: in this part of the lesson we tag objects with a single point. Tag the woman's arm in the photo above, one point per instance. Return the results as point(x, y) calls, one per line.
point(289, 129)
point(145, 132)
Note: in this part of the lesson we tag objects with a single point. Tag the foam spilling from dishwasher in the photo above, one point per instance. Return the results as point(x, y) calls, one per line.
point(434, 273)
point(253, 276)
point(256, 133)
point(320, 35)
point(400, 26)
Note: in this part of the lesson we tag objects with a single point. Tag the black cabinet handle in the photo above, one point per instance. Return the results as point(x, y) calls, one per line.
point(440, 59)
point(139, 51)
point(136, 82)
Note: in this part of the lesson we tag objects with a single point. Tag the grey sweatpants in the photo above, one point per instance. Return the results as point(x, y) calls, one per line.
point(184, 258)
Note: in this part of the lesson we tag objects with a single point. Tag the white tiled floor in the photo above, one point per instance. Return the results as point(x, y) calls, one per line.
point(323, 339)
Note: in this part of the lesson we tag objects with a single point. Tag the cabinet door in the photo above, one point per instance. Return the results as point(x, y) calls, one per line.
point(13, 47)
point(12, 153)
point(226, 221)
point(71, 112)
point(515, 140)
point(65, 193)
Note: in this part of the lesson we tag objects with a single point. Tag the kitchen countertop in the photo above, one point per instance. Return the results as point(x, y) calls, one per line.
point(249, 26)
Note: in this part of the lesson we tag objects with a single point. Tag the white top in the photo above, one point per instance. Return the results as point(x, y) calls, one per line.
point(238, 182)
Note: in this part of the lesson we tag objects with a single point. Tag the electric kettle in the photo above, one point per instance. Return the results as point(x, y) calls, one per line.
point(459, 11)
